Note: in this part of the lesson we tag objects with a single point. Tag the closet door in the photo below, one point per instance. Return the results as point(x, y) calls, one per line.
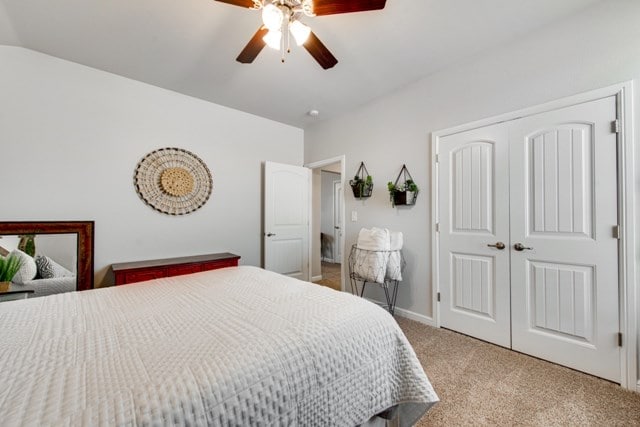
point(564, 256)
point(473, 261)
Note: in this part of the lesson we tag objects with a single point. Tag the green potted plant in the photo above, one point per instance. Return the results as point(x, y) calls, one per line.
point(27, 244)
point(9, 266)
point(397, 195)
point(362, 188)
point(412, 191)
point(404, 191)
point(362, 183)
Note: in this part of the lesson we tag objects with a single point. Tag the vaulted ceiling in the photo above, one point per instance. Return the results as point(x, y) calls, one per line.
point(190, 46)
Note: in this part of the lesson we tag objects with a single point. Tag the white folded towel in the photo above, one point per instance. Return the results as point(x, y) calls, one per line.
point(375, 239)
point(394, 265)
point(371, 262)
point(395, 240)
point(384, 259)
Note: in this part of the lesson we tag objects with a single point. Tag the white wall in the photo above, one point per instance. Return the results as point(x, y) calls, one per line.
point(590, 50)
point(9, 243)
point(71, 137)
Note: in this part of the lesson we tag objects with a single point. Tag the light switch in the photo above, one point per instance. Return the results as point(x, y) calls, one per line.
point(354, 216)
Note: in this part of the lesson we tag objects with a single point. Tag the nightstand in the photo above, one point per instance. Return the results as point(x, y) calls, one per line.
point(14, 293)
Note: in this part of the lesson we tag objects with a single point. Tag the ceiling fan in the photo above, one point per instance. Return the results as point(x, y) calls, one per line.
point(278, 16)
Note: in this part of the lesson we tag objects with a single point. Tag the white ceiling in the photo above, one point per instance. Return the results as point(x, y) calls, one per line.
point(190, 46)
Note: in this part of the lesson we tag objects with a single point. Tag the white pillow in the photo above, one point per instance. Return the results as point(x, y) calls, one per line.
point(49, 269)
point(28, 269)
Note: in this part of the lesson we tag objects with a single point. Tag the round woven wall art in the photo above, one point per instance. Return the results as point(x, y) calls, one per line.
point(173, 181)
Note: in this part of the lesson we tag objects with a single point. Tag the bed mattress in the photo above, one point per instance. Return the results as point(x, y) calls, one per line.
point(237, 346)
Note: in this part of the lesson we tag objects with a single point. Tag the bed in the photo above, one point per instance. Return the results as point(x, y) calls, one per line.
point(236, 346)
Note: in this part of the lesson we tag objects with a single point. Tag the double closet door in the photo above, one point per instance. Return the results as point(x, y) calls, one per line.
point(528, 254)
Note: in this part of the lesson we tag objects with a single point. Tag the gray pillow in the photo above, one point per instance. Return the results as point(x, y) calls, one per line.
point(49, 269)
point(28, 269)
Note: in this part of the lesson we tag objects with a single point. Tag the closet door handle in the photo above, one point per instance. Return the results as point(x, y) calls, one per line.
point(498, 245)
point(520, 247)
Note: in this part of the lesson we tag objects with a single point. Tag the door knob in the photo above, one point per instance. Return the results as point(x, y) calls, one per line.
point(520, 247)
point(270, 234)
point(336, 227)
point(498, 245)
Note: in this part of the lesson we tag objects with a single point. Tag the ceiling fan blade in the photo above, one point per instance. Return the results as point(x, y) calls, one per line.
point(320, 52)
point(333, 7)
point(253, 48)
point(241, 3)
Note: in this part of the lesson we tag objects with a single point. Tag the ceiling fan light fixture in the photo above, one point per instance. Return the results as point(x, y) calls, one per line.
point(300, 32)
point(272, 17)
point(273, 38)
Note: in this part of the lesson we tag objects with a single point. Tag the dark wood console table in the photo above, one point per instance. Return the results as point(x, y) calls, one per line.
point(139, 271)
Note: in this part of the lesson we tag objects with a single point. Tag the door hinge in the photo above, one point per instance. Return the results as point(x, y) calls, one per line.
point(437, 227)
point(438, 296)
point(616, 232)
point(615, 126)
point(437, 158)
point(619, 339)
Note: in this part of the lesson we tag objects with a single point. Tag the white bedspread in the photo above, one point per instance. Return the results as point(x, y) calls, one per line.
point(238, 346)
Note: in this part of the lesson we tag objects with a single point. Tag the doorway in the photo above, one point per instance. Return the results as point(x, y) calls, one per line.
point(327, 215)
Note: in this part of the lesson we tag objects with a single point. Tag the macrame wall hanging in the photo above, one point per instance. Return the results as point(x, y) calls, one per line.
point(173, 181)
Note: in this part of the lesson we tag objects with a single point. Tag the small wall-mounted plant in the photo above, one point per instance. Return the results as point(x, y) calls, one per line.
point(27, 244)
point(362, 183)
point(404, 191)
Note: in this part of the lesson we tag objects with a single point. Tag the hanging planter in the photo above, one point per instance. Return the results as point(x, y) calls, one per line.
point(362, 183)
point(404, 191)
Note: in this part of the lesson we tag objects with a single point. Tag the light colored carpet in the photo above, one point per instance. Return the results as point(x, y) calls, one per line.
point(483, 384)
point(330, 276)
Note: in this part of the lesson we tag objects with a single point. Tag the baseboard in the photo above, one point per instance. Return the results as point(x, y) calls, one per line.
point(415, 316)
point(638, 387)
point(316, 278)
point(409, 314)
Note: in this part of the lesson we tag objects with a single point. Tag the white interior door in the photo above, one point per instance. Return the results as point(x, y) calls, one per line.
point(473, 191)
point(337, 221)
point(286, 219)
point(563, 209)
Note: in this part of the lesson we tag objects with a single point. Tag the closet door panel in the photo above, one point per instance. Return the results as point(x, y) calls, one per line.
point(564, 282)
point(474, 213)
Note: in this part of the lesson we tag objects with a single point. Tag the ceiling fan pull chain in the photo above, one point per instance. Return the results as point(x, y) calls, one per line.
point(282, 49)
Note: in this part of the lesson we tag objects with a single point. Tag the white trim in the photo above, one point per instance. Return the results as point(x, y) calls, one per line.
point(627, 193)
point(316, 278)
point(407, 314)
point(537, 109)
point(435, 240)
point(627, 200)
point(415, 316)
point(314, 165)
point(336, 182)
